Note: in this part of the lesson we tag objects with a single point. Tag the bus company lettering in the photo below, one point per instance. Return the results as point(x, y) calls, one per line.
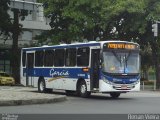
point(54, 73)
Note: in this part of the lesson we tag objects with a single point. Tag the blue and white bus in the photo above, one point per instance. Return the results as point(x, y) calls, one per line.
point(108, 67)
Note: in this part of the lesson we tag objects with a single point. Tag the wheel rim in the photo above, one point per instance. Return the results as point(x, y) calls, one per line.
point(83, 89)
point(41, 86)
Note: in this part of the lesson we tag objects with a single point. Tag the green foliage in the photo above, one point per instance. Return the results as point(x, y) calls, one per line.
point(76, 20)
point(4, 17)
point(104, 19)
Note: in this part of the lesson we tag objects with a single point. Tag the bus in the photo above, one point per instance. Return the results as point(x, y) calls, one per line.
point(83, 68)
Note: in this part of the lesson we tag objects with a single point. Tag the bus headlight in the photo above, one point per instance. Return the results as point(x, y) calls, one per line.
point(107, 81)
point(136, 82)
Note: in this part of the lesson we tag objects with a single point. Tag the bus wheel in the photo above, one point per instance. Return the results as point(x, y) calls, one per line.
point(115, 94)
point(82, 90)
point(41, 86)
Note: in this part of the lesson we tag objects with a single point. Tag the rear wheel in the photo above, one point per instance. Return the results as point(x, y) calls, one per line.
point(82, 89)
point(41, 86)
point(115, 94)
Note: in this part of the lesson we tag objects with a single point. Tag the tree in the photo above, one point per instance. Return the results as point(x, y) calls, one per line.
point(16, 30)
point(106, 19)
point(11, 27)
point(73, 20)
point(5, 21)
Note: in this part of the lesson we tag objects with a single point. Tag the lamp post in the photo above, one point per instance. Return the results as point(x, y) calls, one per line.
point(155, 29)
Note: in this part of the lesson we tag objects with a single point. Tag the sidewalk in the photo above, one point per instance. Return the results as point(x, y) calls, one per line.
point(15, 95)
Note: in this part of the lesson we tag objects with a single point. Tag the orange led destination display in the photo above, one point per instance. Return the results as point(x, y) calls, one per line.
point(121, 46)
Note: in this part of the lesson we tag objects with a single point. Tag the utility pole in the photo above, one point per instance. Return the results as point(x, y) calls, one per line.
point(156, 54)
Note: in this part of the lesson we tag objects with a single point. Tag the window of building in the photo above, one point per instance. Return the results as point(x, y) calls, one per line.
point(5, 61)
point(27, 35)
point(70, 57)
point(83, 56)
point(48, 58)
point(39, 58)
point(59, 57)
point(24, 59)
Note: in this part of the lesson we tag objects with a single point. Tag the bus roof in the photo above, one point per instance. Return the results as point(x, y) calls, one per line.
point(73, 45)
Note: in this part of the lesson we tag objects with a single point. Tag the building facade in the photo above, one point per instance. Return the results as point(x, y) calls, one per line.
point(33, 24)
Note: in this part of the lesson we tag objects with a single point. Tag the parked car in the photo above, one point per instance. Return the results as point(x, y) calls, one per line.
point(6, 79)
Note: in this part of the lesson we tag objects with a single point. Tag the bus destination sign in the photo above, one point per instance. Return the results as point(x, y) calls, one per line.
point(121, 46)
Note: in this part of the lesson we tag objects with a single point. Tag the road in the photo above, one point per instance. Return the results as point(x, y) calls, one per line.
point(129, 103)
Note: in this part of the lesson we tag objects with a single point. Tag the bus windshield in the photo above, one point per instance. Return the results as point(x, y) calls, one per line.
point(120, 62)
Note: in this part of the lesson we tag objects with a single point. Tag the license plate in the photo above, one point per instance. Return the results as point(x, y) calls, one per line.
point(124, 86)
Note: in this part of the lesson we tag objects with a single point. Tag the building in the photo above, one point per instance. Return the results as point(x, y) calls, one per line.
point(33, 25)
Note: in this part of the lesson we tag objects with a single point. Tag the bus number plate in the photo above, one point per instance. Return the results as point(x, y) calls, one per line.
point(124, 87)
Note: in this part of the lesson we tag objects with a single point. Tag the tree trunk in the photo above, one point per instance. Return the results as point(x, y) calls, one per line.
point(146, 76)
point(15, 59)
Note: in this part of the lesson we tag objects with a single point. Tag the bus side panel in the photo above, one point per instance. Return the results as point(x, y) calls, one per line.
point(23, 80)
point(65, 84)
point(70, 84)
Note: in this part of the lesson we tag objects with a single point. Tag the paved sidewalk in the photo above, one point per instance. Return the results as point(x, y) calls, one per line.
point(15, 95)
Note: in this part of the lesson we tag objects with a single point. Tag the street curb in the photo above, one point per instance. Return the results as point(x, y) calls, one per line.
point(32, 101)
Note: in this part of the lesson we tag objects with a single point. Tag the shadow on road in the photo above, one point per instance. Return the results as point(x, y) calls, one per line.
point(92, 96)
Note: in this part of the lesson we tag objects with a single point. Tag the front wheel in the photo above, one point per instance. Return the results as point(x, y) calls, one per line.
point(82, 89)
point(115, 94)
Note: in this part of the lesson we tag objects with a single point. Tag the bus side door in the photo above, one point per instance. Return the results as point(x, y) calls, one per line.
point(30, 69)
point(94, 74)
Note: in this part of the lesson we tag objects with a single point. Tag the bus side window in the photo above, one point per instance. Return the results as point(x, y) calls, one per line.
point(83, 56)
point(24, 59)
point(48, 58)
point(70, 57)
point(59, 57)
point(39, 58)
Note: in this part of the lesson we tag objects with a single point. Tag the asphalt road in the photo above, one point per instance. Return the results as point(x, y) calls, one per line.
point(129, 103)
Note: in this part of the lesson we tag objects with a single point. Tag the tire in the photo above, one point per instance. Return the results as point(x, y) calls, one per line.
point(41, 86)
point(82, 90)
point(115, 94)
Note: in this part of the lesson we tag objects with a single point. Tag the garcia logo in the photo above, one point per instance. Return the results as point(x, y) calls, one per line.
point(54, 73)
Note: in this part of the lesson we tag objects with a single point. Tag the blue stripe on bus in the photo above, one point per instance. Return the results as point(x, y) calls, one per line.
point(75, 73)
point(57, 72)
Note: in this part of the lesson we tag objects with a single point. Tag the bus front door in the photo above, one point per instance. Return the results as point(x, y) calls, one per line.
point(29, 69)
point(94, 74)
